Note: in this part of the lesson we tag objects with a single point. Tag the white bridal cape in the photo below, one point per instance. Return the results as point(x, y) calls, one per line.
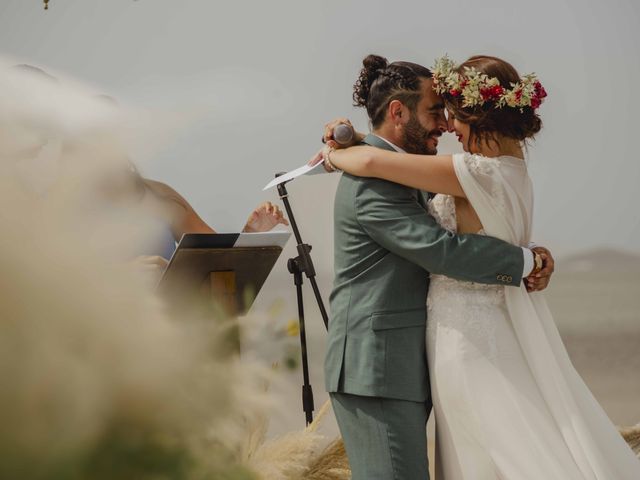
point(508, 402)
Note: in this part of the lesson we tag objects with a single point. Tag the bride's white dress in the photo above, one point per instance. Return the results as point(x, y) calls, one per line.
point(508, 403)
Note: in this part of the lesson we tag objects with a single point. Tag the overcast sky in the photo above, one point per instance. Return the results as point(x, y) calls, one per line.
point(269, 74)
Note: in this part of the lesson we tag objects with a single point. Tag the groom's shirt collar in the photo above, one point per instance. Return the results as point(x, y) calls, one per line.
point(395, 147)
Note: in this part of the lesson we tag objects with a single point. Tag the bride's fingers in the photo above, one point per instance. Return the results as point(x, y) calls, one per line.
point(330, 127)
point(316, 159)
point(328, 132)
point(333, 123)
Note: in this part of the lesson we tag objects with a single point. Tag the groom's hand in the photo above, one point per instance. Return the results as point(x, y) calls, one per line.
point(540, 280)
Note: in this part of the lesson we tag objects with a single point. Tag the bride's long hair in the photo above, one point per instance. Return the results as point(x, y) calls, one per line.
point(486, 121)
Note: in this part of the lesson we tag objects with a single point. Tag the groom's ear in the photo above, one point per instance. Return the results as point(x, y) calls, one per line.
point(398, 112)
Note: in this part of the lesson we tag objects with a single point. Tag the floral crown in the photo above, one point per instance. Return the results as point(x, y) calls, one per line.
point(478, 88)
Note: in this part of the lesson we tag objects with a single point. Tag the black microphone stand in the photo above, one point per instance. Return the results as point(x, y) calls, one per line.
point(297, 266)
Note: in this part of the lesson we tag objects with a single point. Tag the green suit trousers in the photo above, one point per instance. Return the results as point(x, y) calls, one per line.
point(385, 438)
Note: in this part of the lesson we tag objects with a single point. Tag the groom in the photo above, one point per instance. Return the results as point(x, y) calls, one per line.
point(385, 245)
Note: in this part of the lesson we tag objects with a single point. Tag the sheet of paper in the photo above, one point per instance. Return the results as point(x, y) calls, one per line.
point(264, 239)
point(304, 170)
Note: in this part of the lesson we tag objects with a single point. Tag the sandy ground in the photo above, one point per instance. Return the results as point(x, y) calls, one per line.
point(610, 365)
point(598, 315)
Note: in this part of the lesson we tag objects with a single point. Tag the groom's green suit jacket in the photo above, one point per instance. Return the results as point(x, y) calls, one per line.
point(385, 246)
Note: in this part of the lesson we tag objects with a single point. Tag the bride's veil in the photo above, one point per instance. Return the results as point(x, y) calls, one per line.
point(501, 193)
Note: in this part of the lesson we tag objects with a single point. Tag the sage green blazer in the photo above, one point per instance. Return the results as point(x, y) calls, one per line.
point(385, 246)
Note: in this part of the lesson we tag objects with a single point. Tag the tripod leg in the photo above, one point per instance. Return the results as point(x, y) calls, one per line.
point(307, 392)
point(323, 311)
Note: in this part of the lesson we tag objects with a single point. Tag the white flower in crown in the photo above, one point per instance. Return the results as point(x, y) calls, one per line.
point(476, 88)
point(444, 74)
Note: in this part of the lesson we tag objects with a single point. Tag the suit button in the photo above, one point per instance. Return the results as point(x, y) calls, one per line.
point(509, 279)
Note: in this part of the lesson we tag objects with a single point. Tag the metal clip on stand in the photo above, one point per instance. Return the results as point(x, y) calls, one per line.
point(297, 266)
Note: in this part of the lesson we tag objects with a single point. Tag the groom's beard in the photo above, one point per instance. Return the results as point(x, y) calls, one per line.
point(415, 137)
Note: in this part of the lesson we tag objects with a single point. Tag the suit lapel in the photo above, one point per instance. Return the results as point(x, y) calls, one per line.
point(375, 141)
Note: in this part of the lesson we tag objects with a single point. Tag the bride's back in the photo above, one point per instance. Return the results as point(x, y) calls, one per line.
point(501, 188)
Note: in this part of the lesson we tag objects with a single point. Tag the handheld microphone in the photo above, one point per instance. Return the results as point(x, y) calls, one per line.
point(343, 134)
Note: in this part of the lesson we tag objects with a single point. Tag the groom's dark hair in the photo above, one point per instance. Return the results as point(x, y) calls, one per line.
point(381, 82)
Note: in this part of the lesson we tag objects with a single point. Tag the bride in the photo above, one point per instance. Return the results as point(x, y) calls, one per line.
point(507, 400)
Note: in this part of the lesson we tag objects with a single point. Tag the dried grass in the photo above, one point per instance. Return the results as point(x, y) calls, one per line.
point(99, 381)
point(288, 457)
point(299, 455)
point(331, 464)
point(632, 437)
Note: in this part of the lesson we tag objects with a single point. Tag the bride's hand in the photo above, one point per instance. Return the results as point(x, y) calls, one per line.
point(323, 154)
point(359, 160)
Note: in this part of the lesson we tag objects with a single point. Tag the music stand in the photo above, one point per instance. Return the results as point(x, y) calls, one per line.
point(225, 271)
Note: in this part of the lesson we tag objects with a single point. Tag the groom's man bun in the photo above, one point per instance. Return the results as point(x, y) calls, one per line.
point(373, 65)
point(381, 82)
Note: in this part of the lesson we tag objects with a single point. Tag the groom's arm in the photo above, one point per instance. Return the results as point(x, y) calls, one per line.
point(391, 216)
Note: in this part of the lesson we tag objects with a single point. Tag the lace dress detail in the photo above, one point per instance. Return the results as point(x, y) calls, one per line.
point(479, 165)
point(443, 209)
point(450, 300)
point(485, 170)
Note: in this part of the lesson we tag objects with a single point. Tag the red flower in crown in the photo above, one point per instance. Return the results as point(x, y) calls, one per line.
point(535, 102)
point(485, 93)
point(454, 93)
point(538, 94)
point(539, 89)
point(491, 93)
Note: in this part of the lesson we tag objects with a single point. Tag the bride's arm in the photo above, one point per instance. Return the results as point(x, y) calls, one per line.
point(431, 173)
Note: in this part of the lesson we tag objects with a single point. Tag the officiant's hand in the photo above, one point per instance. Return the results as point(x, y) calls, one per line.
point(540, 280)
point(264, 218)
